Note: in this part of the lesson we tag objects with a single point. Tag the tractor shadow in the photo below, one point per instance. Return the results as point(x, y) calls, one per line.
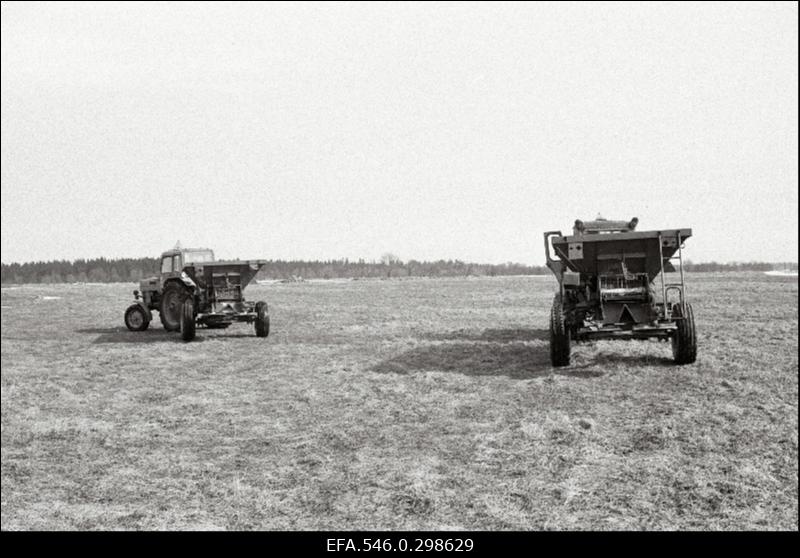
point(157, 335)
point(123, 335)
point(519, 354)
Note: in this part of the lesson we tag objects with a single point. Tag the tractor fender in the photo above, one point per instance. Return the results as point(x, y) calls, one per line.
point(186, 280)
point(145, 309)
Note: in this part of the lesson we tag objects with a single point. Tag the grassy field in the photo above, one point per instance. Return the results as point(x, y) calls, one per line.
point(400, 404)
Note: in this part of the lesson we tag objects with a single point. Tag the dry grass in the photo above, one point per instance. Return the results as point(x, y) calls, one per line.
point(404, 404)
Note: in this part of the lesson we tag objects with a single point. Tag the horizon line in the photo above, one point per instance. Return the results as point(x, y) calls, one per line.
point(398, 261)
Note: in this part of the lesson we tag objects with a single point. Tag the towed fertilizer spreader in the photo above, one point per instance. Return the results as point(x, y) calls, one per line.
point(606, 272)
point(195, 289)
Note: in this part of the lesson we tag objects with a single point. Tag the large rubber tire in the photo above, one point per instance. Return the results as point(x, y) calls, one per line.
point(684, 342)
point(187, 320)
point(136, 318)
point(559, 335)
point(262, 319)
point(171, 304)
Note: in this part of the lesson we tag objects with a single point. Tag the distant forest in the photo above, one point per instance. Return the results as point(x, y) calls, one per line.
point(102, 270)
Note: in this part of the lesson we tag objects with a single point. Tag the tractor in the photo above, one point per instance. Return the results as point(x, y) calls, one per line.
point(194, 289)
point(606, 272)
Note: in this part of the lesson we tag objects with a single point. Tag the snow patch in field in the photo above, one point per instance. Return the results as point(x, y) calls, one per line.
point(5, 307)
point(781, 273)
point(51, 297)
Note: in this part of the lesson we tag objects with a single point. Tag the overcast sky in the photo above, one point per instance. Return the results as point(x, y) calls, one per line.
point(426, 130)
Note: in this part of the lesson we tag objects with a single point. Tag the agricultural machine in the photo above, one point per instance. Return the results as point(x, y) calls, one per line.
point(606, 273)
point(194, 289)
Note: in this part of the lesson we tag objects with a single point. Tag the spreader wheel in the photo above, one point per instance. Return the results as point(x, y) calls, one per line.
point(684, 341)
point(187, 320)
point(262, 319)
point(136, 318)
point(171, 303)
point(559, 335)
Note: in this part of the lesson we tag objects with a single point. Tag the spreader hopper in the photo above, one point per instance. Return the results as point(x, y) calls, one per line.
point(607, 273)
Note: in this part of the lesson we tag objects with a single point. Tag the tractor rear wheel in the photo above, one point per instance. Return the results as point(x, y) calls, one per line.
point(262, 319)
point(170, 310)
point(684, 341)
point(136, 318)
point(187, 320)
point(559, 335)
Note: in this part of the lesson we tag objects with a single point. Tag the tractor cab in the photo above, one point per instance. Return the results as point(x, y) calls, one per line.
point(173, 261)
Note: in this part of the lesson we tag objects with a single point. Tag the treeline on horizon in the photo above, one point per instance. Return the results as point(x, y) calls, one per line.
point(103, 270)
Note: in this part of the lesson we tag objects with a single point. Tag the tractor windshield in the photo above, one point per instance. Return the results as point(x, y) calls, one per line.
point(198, 256)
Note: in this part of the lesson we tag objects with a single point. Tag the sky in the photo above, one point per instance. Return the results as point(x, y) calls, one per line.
point(435, 130)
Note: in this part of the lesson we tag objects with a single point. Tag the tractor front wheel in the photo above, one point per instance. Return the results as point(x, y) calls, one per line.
point(136, 318)
point(187, 320)
point(559, 335)
point(684, 340)
point(262, 319)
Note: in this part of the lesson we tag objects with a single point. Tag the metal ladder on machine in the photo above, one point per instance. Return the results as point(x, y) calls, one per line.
point(667, 287)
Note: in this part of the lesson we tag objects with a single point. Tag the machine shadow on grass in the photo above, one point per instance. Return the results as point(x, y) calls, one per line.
point(494, 352)
point(122, 335)
point(157, 335)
